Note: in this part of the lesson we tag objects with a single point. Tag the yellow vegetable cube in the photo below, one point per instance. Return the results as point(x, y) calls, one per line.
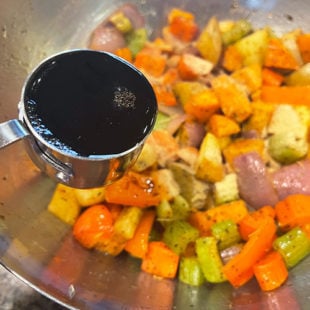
point(88, 197)
point(64, 204)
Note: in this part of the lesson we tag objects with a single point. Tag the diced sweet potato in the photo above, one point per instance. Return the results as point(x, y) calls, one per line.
point(233, 98)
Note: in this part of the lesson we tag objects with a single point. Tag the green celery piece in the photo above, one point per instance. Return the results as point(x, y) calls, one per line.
point(178, 234)
point(240, 29)
point(136, 40)
point(190, 271)
point(209, 259)
point(180, 208)
point(293, 246)
point(226, 233)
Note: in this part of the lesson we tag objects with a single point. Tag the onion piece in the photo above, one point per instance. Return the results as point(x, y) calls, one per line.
point(254, 182)
point(292, 179)
point(106, 38)
point(228, 253)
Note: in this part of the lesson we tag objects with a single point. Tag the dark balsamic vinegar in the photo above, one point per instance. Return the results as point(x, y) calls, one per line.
point(90, 103)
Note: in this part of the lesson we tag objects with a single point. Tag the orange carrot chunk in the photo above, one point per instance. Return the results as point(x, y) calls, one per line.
point(252, 221)
point(259, 243)
point(160, 260)
point(203, 220)
point(295, 95)
point(138, 245)
point(271, 271)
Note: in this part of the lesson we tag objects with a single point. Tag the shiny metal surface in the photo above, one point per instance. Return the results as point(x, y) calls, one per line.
point(36, 246)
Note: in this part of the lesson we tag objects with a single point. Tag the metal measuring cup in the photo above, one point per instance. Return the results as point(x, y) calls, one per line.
point(64, 164)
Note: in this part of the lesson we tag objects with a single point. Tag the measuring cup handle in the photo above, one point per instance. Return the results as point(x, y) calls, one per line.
point(11, 131)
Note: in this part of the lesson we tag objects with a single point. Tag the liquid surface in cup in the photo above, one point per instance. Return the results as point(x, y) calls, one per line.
point(88, 103)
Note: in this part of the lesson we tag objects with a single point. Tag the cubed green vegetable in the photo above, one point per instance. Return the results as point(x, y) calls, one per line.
point(227, 234)
point(210, 259)
point(180, 208)
point(136, 40)
point(190, 271)
point(178, 234)
point(293, 246)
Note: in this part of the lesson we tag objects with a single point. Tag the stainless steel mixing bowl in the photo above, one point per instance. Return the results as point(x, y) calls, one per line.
point(39, 248)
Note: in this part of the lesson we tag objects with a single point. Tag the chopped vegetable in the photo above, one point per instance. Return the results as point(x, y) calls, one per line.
point(238, 30)
point(271, 272)
point(136, 40)
point(202, 105)
point(294, 95)
point(300, 77)
point(137, 246)
point(209, 42)
point(87, 197)
point(64, 204)
point(203, 220)
point(209, 163)
point(190, 67)
point(293, 211)
point(226, 190)
point(233, 98)
point(133, 190)
point(287, 146)
point(222, 126)
point(94, 224)
point(271, 77)
point(252, 221)
point(277, 56)
point(182, 25)
point(240, 268)
point(253, 47)
point(293, 246)
point(303, 42)
point(209, 259)
point(160, 260)
point(178, 234)
point(191, 272)
point(226, 233)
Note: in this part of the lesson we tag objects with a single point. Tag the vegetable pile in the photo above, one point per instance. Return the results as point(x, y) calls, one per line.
point(221, 190)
